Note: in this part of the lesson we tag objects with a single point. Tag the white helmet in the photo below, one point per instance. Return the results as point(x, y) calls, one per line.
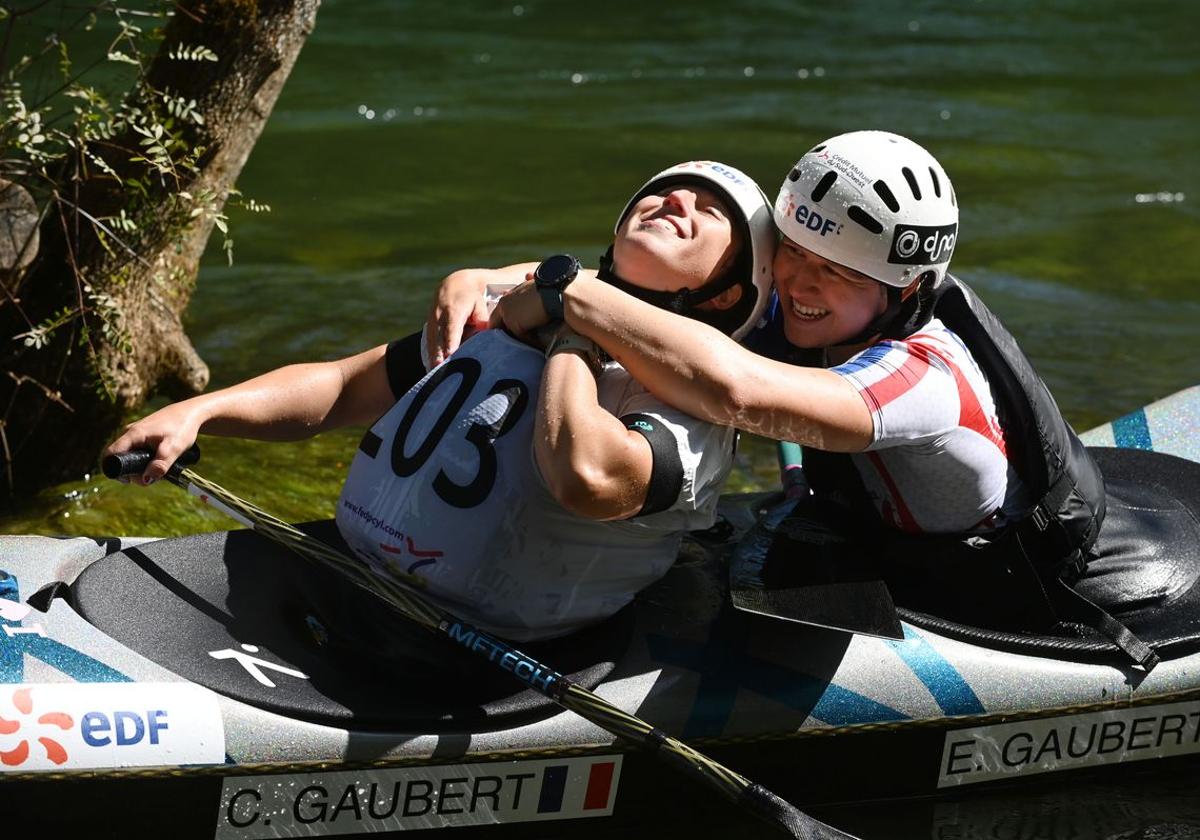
point(875, 202)
point(752, 268)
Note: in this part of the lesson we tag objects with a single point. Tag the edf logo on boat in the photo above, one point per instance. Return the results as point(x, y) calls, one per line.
point(78, 725)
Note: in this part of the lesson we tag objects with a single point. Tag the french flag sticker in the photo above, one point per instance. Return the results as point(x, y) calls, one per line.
point(586, 787)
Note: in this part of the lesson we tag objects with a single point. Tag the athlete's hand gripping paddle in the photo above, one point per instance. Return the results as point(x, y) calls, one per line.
point(736, 788)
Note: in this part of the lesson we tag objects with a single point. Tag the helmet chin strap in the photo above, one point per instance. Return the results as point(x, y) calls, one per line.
point(682, 302)
point(901, 317)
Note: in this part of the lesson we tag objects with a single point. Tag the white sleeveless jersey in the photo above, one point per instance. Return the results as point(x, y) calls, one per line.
point(445, 486)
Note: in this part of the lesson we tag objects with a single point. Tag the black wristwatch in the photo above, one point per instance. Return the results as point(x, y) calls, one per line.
point(551, 277)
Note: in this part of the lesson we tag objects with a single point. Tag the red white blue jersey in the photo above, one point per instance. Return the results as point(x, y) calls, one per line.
point(937, 461)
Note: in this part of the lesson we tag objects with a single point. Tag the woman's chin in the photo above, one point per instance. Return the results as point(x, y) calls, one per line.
point(654, 270)
point(808, 335)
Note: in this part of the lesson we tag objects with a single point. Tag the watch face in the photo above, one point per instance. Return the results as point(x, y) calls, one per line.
point(554, 271)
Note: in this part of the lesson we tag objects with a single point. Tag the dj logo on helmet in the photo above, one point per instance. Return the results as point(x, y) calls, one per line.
point(917, 244)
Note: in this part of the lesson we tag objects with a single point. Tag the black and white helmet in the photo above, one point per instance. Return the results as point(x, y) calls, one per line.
point(752, 269)
point(875, 202)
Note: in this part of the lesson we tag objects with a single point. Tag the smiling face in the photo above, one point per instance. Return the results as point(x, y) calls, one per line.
point(823, 303)
point(679, 238)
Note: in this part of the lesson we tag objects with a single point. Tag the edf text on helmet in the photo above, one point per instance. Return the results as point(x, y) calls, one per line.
point(814, 221)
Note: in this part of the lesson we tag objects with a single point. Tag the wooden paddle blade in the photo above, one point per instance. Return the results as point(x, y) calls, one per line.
point(863, 607)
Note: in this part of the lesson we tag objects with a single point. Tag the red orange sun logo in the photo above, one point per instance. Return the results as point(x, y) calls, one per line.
point(22, 700)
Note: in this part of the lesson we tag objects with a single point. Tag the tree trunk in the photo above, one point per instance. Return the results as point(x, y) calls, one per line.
point(60, 403)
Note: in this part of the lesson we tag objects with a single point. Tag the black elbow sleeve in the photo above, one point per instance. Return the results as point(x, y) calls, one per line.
point(666, 476)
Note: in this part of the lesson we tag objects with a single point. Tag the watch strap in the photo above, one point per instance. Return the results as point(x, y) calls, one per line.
point(573, 342)
point(551, 277)
point(552, 301)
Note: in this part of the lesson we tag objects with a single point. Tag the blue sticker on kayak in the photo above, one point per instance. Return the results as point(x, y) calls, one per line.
point(726, 666)
point(21, 635)
point(950, 691)
point(1132, 431)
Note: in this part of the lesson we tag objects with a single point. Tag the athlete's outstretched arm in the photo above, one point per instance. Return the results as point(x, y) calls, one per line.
point(697, 369)
point(592, 464)
point(289, 403)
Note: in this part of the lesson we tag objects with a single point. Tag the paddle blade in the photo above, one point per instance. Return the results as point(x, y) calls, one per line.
point(791, 821)
point(854, 607)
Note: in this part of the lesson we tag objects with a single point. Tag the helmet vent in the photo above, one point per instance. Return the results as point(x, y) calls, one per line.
point(885, 193)
point(912, 183)
point(937, 185)
point(823, 185)
point(794, 175)
point(864, 218)
point(816, 149)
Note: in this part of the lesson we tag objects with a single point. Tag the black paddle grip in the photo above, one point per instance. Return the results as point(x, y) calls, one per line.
point(135, 461)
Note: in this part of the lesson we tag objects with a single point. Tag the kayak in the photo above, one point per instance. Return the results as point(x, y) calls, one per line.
point(202, 686)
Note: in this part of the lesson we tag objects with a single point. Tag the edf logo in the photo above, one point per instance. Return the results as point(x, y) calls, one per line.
point(122, 728)
point(22, 700)
point(48, 726)
point(51, 729)
point(815, 222)
point(725, 173)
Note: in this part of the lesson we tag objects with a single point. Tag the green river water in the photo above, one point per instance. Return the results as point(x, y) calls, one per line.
point(414, 138)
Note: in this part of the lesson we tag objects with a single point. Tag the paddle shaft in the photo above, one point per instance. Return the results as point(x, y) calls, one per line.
point(736, 788)
point(791, 472)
